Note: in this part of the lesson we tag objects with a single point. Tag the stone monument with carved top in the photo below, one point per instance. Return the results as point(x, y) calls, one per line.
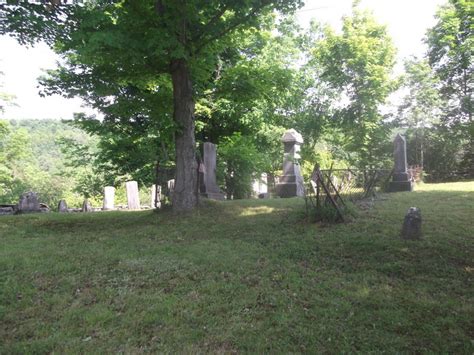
point(291, 183)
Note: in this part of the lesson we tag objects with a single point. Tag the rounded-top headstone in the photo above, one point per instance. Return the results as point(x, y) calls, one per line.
point(62, 206)
point(412, 224)
point(292, 135)
point(86, 206)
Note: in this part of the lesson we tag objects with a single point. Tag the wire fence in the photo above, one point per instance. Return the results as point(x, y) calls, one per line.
point(355, 184)
point(329, 191)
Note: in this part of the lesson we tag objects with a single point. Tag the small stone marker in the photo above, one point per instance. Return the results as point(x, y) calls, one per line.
point(6, 210)
point(260, 185)
point(29, 203)
point(400, 180)
point(155, 196)
point(291, 183)
point(170, 186)
point(412, 224)
point(109, 198)
point(86, 206)
point(62, 206)
point(210, 188)
point(44, 207)
point(133, 200)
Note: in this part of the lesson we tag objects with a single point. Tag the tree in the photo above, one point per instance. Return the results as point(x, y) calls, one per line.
point(256, 93)
point(135, 43)
point(421, 106)
point(240, 162)
point(6, 99)
point(31, 160)
point(355, 68)
point(450, 51)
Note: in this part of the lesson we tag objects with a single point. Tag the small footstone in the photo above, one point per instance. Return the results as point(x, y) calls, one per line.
point(86, 206)
point(6, 210)
point(412, 224)
point(62, 206)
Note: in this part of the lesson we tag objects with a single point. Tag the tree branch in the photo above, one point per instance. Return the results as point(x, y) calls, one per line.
point(233, 25)
point(213, 20)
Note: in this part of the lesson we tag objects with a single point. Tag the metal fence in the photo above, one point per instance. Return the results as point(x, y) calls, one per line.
point(331, 189)
point(355, 184)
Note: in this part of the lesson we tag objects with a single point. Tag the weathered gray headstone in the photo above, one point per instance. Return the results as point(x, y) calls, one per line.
point(412, 224)
point(86, 206)
point(170, 186)
point(210, 188)
point(133, 200)
point(400, 179)
point(29, 203)
point(6, 210)
point(291, 183)
point(260, 185)
point(62, 206)
point(109, 198)
point(155, 196)
point(44, 207)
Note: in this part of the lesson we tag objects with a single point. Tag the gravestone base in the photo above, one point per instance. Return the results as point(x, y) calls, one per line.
point(6, 210)
point(213, 196)
point(289, 190)
point(400, 186)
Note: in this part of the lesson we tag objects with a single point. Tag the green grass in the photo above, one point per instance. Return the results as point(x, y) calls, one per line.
point(245, 276)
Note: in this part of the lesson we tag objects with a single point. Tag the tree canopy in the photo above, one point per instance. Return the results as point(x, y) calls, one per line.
point(111, 46)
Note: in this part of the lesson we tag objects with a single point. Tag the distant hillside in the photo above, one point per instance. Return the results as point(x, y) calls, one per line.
point(31, 159)
point(44, 136)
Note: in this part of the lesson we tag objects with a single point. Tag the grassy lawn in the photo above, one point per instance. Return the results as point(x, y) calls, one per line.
point(242, 276)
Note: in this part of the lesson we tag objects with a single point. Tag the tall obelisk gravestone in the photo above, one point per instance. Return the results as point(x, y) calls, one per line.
point(291, 183)
point(400, 180)
point(209, 187)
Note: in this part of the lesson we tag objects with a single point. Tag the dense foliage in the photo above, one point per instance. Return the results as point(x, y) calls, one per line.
point(450, 54)
point(32, 159)
point(241, 75)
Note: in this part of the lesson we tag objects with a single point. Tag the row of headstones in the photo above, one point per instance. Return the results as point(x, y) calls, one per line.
point(28, 203)
point(290, 184)
point(133, 199)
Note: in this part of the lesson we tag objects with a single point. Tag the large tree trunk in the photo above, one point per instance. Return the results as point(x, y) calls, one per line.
point(185, 189)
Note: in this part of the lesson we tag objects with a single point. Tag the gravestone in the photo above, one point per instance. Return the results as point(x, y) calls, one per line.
point(209, 187)
point(260, 186)
point(400, 179)
point(62, 206)
point(291, 183)
point(170, 186)
point(29, 203)
point(133, 200)
point(109, 198)
point(6, 210)
point(86, 206)
point(412, 224)
point(155, 196)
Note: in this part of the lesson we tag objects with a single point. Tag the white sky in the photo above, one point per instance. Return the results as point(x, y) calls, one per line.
point(406, 20)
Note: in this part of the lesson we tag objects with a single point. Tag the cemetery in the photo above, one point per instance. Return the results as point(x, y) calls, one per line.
point(239, 177)
point(160, 282)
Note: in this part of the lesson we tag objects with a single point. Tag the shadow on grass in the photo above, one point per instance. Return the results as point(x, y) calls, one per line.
point(249, 276)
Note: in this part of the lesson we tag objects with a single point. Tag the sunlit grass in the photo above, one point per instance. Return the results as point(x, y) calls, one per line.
point(241, 276)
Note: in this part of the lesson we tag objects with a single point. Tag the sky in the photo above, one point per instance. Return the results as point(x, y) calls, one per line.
point(406, 20)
